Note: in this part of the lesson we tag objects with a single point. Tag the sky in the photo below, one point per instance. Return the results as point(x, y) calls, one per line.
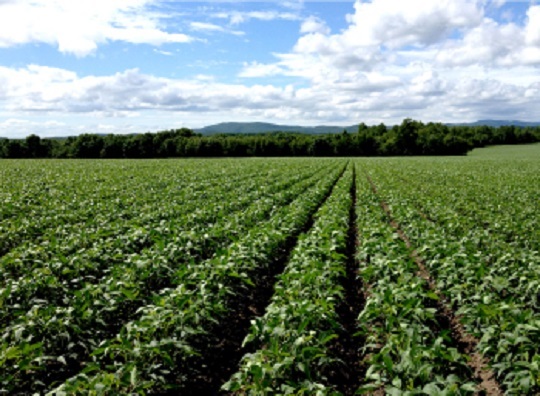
point(128, 66)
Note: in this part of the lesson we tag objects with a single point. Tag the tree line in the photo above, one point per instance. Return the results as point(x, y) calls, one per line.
point(409, 138)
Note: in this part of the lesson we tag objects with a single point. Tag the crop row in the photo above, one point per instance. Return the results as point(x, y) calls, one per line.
point(50, 340)
point(492, 284)
point(502, 199)
point(365, 276)
point(156, 351)
point(294, 335)
point(45, 202)
point(129, 223)
point(407, 342)
point(50, 273)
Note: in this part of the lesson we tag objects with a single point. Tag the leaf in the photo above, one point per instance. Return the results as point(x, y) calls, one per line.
point(388, 362)
point(329, 338)
point(133, 376)
point(431, 389)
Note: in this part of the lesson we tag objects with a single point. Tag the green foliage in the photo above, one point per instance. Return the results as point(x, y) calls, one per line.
point(406, 346)
point(85, 276)
point(476, 225)
point(116, 276)
point(301, 320)
point(160, 337)
point(409, 138)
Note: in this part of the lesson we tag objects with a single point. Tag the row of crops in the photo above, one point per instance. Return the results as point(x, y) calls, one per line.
point(270, 276)
point(476, 227)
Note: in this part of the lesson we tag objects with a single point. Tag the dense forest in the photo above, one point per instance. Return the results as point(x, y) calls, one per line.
point(409, 138)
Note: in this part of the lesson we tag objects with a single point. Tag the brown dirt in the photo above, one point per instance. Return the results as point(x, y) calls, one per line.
point(347, 377)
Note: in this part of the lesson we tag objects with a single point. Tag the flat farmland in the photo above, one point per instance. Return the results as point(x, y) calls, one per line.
point(261, 276)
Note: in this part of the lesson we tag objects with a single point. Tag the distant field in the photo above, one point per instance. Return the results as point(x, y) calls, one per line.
point(271, 276)
point(526, 152)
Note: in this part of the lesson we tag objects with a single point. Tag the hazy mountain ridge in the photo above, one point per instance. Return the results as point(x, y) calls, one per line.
point(264, 127)
point(498, 123)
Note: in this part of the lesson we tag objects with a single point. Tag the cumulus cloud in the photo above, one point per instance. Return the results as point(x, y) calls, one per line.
point(44, 92)
point(532, 30)
point(376, 30)
point(238, 17)
point(445, 60)
point(423, 53)
point(213, 28)
point(40, 89)
point(313, 24)
point(20, 128)
point(78, 28)
point(256, 69)
point(395, 23)
point(487, 44)
point(495, 44)
point(428, 84)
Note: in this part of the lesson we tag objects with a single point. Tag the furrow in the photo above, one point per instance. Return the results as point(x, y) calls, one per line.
point(291, 341)
point(347, 376)
point(223, 346)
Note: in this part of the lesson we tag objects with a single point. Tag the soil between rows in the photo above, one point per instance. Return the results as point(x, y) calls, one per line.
point(347, 377)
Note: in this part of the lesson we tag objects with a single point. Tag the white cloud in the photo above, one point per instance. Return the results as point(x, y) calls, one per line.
point(238, 17)
point(441, 60)
point(421, 48)
point(532, 30)
point(397, 23)
point(166, 53)
point(205, 77)
point(496, 44)
point(206, 27)
point(428, 84)
point(314, 25)
point(498, 3)
point(376, 30)
point(153, 103)
point(78, 27)
point(292, 4)
point(487, 44)
point(530, 56)
point(44, 89)
point(256, 69)
point(19, 128)
point(213, 28)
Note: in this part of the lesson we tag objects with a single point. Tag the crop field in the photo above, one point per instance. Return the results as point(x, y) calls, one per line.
point(300, 276)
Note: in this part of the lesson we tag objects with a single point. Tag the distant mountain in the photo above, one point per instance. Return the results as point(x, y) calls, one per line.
point(264, 127)
point(499, 123)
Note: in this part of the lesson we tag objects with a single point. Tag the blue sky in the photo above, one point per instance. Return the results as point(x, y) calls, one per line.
point(124, 66)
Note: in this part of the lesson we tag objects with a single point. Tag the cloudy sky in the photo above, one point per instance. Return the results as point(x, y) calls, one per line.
point(122, 66)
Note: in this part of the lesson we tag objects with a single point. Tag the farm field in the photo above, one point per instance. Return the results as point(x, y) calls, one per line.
point(257, 276)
